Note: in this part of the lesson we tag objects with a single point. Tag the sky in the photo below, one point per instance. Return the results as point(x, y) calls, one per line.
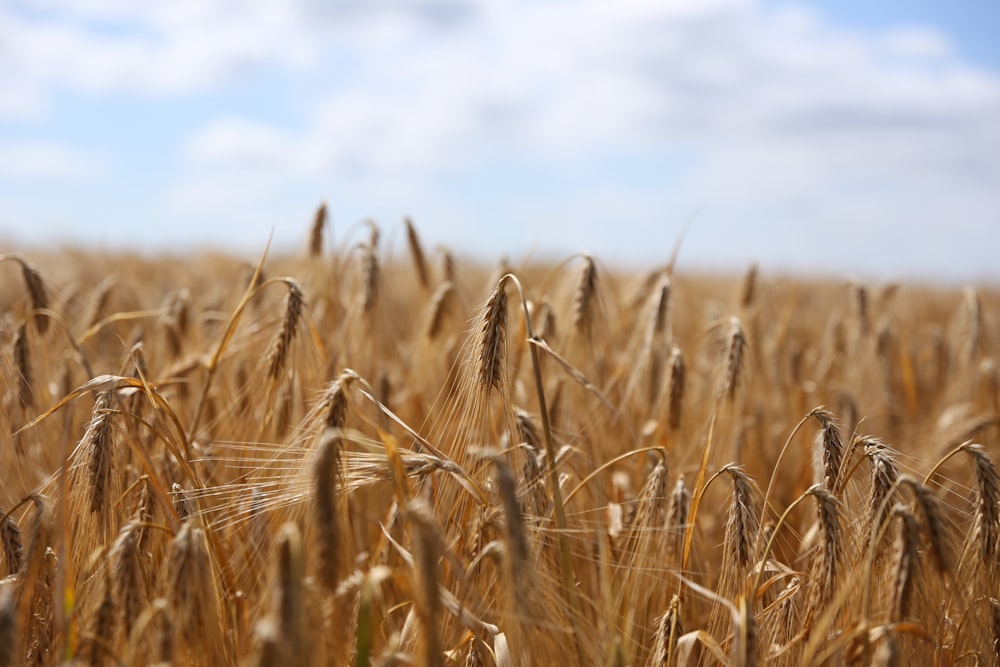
point(847, 137)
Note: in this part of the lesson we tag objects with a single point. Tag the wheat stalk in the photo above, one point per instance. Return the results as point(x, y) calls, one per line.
point(585, 295)
point(98, 445)
point(749, 289)
point(417, 253)
point(25, 392)
point(931, 513)
point(677, 514)
point(290, 596)
point(103, 632)
point(13, 552)
point(668, 629)
point(734, 359)
point(325, 476)
point(316, 231)
point(829, 450)
point(129, 587)
point(517, 547)
point(300, 526)
point(493, 338)
point(370, 273)
point(904, 563)
point(438, 308)
point(426, 551)
point(676, 391)
point(829, 566)
point(281, 343)
point(884, 475)
point(8, 627)
point(987, 519)
point(742, 524)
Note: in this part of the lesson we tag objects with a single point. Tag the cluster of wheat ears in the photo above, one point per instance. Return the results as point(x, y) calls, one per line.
point(338, 458)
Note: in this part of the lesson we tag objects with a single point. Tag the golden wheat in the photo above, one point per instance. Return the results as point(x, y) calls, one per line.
point(197, 471)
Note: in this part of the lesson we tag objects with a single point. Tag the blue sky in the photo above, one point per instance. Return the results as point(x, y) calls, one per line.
point(971, 25)
point(849, 137)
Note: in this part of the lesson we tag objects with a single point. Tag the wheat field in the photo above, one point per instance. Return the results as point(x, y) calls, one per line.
point(375, 453)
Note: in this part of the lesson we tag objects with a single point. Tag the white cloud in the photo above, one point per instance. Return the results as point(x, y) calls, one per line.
point(917, 42)
point(553, 82)
point(243, 141)
point(47, 159)
point(775, 113)
point(19, 98)
point(159, 48)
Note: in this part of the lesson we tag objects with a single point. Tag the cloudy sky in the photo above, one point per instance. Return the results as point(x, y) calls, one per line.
point(847, 136)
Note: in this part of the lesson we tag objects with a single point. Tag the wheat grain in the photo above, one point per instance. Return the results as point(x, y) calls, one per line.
point(426, 551)
point(8, 627)
point(661, 307)
point(97, 443)
point(987, 519)
point(417, 253)
point(734, 359)
point(884, 474)
point(653, 497)
point(25, 392)
point(677, 514)
point(316, 231)
point(158, 544)
point(904, 563)
point(370, 273)
point(333, 404)
point(13, 552)
point(668, 629)
point(447, 265)
point(37, 293)
point(282, 342)
point(493, 339)
point(325, 476)
point(861, 313)
point(517, 550)
point(127, 583)
point(974, 325)
point(829, 451)
point(103, 626)
point(438, 309)
point(290, 605)
point(192, 594)
point(830, 561)
point(742, 524)
point(676, 392)
point(183, 504)
point(749, 289)
point(933, 522)
point(584, 299)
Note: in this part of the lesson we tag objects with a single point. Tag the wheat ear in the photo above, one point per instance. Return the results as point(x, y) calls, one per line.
point(417, 253)
point(316, 231)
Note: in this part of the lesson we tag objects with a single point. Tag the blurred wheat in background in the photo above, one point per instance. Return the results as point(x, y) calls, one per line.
point(370, 456)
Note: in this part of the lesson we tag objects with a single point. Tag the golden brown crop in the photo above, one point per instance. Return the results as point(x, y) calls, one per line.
point(338, 459)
